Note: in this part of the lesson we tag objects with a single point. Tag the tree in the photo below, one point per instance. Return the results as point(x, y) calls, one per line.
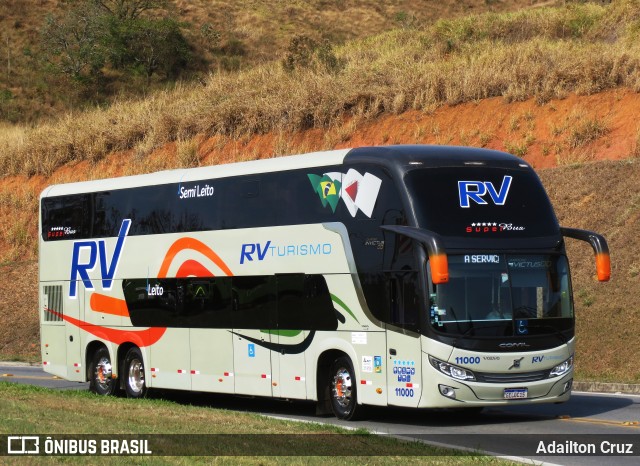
point(159, 47)
point(95, 33)
point(72, 43)
point(129, 9)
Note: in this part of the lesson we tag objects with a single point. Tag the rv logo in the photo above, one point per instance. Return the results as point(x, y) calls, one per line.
point(97, 250)
point(476, 190)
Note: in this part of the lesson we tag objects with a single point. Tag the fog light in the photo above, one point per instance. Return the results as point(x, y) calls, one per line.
point(447, 391)
point(567, 386)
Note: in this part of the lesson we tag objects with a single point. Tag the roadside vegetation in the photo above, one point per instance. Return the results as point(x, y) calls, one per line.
point(336, 87)
point(31, 410)
point(540, 52)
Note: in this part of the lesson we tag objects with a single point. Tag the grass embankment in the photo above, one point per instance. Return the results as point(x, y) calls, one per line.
point(542, 52)
point(251, 438)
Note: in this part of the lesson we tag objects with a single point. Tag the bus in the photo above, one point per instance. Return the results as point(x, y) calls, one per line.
point(411, 276)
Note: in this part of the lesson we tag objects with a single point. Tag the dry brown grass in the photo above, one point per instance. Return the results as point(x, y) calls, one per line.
point(262, 29)
point(559, 51)
point(603, 197)
point(447, 63)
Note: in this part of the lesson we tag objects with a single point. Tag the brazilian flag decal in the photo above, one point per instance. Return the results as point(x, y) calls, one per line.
point(327, 188)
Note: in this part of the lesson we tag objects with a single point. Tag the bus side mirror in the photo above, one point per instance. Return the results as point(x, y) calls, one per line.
point(600, 248)
point(434, 246)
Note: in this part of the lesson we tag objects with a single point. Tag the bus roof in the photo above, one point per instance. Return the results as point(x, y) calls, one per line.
point(180, 175)
point(395, 158)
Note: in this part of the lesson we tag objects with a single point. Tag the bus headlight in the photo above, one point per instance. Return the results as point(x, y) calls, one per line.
point(562, 369)
point(451, 370)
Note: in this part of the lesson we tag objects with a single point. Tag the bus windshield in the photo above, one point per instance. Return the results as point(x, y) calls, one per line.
point(503, 295)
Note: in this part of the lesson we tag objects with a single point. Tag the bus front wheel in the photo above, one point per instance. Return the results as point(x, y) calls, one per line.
point(101, 381)
point(343, 390)
point(134, 383)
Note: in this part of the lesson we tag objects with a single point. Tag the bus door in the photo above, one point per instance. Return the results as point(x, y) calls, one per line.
point(208, 315)
point(170, 357)
point(254, 309)
point(252, 362)
point(404, 352)
point(289, 360)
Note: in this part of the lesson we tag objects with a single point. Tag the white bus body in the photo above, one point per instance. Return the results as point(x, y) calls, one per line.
point(412, 276)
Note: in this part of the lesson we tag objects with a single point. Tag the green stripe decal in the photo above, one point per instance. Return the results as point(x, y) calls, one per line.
point(340, 303)
point(283, 333)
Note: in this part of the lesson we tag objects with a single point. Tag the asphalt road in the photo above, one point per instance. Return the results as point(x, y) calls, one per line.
point(517, 431)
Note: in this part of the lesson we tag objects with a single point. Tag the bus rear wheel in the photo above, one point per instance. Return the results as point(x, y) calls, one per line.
point(134, 382)
point(101, 380)
point(343, 390)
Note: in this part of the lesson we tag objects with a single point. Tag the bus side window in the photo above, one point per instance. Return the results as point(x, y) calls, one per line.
point(253, 301)
point(304, 303)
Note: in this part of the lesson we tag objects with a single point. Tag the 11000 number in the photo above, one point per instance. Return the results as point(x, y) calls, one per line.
point(404, 392)
point(468, 360)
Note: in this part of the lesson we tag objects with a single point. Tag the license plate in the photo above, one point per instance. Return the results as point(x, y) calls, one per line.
point(515, 393)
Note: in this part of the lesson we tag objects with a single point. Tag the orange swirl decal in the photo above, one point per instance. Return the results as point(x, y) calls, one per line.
point(141, 338)
point(189, 267)
point(108, 305)
point(118, 307)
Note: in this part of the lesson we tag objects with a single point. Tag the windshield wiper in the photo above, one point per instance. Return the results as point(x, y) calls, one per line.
point(524, 312)
point(557, 332)
point(468, 331)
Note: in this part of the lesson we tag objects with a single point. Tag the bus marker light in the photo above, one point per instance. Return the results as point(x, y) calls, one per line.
point(219, 380)
point(379, 391)
point(603, 267)
point(365, 382)
point(439, 269)
point(275, 384)
point(195, 372)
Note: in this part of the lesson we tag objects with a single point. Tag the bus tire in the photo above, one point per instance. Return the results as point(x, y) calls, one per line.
point(133, 374)
point(101, 381)
point(343, 390)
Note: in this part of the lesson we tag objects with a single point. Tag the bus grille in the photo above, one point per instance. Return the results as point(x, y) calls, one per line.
point(512, 378)
point(54, 295)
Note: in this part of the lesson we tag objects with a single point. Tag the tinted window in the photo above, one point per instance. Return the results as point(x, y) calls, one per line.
point(254, 302)
point(304, 302)
point(481, 202)
point(293, 302)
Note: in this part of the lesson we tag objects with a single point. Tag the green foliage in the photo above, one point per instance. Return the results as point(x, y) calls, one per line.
point(129, 9)
point(304, 52)
point(95, 34)
point(71, 44)
point(147, 46)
